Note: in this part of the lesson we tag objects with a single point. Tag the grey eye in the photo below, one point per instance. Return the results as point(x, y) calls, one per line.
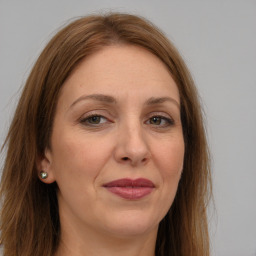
point(93, 120)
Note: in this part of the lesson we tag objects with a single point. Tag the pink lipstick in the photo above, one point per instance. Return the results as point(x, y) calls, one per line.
point(130, 189)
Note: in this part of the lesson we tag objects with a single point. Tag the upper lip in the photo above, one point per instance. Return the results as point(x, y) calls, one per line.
point(141, 182)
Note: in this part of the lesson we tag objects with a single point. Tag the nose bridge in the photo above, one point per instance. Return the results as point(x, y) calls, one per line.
point(135, 140)
point(132, 142)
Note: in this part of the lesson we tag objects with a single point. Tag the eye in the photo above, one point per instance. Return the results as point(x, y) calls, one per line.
point(94, 120)
point(160, 121)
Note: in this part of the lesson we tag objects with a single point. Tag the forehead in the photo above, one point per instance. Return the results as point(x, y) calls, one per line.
point(122, 71)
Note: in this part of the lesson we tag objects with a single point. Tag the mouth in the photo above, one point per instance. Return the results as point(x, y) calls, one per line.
point(130, 189)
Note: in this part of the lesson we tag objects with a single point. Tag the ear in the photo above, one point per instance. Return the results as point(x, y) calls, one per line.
point(45, 164)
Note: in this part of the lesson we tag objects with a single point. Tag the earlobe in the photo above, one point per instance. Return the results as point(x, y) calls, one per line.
point(45, 169)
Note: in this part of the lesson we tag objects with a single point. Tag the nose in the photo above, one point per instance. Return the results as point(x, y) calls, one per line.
point(132, 147)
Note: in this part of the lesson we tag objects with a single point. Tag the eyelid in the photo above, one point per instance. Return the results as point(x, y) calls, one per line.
point(160, 114)
point(96, 112)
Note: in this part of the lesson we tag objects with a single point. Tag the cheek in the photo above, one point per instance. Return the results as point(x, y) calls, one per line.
point(170, 158)
point(170, 164)
point(78, 155)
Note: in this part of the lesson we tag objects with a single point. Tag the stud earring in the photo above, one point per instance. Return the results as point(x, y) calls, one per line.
point(43, 175)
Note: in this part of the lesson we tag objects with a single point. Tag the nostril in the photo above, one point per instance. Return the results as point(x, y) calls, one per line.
point(125, 158)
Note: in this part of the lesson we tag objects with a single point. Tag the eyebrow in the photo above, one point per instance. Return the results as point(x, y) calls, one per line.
point(112, 100)
point(97, 97)
point(154, 100)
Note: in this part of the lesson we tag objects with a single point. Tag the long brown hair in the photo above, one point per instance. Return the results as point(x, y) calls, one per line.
point(29, 215)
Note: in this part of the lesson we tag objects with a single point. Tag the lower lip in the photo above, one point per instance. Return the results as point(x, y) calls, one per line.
point(131, 193)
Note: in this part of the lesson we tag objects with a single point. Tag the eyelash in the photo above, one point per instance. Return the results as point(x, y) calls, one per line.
point(168, 121)
point(85, 120)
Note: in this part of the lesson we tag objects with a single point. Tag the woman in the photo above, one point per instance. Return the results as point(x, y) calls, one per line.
point(107, 152)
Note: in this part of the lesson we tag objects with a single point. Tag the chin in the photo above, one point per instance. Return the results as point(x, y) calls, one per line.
point(132, 224)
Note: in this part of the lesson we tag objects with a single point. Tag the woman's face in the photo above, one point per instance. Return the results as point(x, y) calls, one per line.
point(117, 145)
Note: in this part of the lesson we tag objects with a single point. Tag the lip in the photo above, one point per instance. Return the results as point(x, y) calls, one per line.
point(131, 189)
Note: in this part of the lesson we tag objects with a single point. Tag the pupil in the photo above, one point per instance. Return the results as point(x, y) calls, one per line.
point(156, 120)
point(95, 119)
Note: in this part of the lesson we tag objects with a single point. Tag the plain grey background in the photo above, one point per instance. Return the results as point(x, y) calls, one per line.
point(218, 42)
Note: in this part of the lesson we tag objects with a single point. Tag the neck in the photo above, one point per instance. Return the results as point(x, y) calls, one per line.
point(108, 245)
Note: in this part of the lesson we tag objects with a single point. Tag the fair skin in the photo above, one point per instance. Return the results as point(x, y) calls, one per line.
point(117, 117)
